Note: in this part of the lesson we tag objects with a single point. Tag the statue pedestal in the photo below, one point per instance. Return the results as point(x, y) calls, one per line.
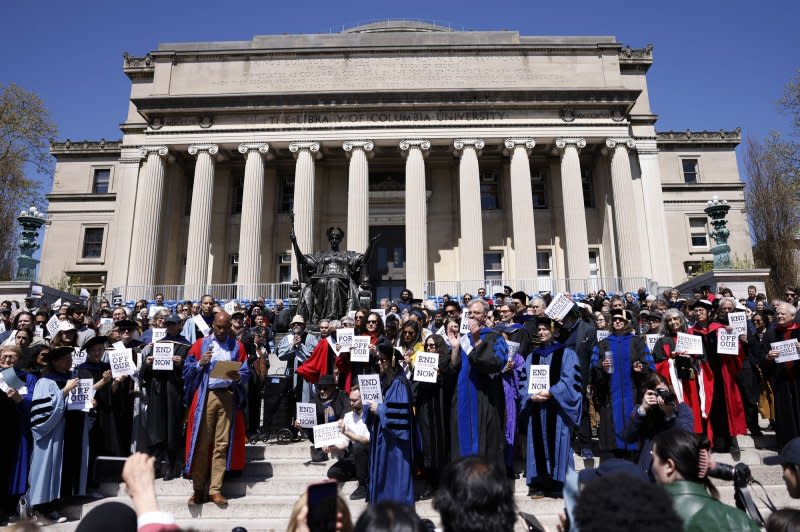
point(736, 280)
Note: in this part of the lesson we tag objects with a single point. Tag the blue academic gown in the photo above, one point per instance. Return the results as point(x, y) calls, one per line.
point(48, 421)
point(18, 483)
point(549, 423)
point(391, 445)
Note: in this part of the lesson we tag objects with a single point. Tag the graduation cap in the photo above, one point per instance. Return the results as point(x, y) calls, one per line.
point(544, 320)
point(125, 325)
point(507, 289)
point(522, 296)
point(93, 341)
point(704, 303)
point(58, 353)
point(620, 313)
point(385, 349)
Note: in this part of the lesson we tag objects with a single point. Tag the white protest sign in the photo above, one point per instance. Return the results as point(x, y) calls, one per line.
point(359, 351)
point(370, 386)
point(10, 380)
point(159, 333)
point(380, 312)
point(727, 343)
point(738, 321)
point(201, 324)
point(787, 351)
point(118, 346)
point(38, 332)
point(56, 305)
point(689, 343)
point(513, 348)
point(78, 357)
point(464, 327)
point(230, 307)
point(441, 332)
point(80, 398)
point(52, 325)
point(465, 344)
point(602, 334)
point(84, 294)
point(307, 415)
point(121, 363)
point(327, 435)
point(539, 379)
point(425, 369)
point(344, 337)
point(106, 324)
point(162, 356)
point(559, 307)
point(651, 340)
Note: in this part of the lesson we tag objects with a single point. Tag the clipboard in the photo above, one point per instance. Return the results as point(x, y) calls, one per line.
point(222, 367)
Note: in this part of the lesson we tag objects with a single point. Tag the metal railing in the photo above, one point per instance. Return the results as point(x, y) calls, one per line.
point(180, 292)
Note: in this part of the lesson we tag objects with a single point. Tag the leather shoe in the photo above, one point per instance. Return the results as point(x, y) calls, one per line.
point(198, 497)
point(218, 499)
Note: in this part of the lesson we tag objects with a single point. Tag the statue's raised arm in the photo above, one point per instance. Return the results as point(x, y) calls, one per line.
point(302, 260)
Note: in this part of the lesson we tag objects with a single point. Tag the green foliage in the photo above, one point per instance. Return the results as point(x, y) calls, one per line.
point(25, 134)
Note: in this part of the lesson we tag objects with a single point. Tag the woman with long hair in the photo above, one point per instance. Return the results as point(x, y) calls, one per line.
point(689, 375)
point(410, 343)
point(680, 464)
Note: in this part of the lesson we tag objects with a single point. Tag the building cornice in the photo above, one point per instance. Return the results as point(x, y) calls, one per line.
point(138, 67)
point(85, 148)
point(83, 196)
point(636, 59)
point(688, 137)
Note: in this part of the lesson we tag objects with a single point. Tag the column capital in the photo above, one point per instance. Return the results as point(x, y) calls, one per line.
point(350, 145)
point(562, 143)
point(511, 143)
point(312, 147)
point(422, 144)
point(212, 149)
point(622, 142)
point(261, 147)
point(460, 144)
point(646, 146)
point(144, 151)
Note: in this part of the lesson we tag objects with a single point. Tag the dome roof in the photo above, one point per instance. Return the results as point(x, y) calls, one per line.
point(398, 25)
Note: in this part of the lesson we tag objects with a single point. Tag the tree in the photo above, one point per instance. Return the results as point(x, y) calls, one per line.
point(25, 134)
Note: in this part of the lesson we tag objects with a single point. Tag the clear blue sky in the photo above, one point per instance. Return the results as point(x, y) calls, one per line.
point(718, 64)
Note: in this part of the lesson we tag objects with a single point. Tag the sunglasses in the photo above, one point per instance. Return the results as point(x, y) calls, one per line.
point(372, 321)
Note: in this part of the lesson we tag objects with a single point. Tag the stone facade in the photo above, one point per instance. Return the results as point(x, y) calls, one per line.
point(477, 155)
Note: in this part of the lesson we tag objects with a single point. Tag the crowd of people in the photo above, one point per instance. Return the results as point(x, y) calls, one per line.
point(642, 381)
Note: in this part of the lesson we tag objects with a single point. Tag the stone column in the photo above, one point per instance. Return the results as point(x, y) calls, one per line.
point(416, 216)
point(199, 241)
point(145, 244)
point(575, 235)
point(625, 222)
point(358, 194)
point(524, 232)
point(471, 245)
point(251, 218)
point(304, 153)
point(658, 239)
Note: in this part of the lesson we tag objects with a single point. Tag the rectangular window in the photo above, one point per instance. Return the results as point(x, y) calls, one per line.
point(492, 266)
point(237, 192)
point(286, 197)
point(690, 173)
point(698, 232)
point(101, 181)
point(489, 191)
point(544, 271)
point(92, 243)
point(587, 182)
point(284, 268)
point(594, 263)
point(539, 187)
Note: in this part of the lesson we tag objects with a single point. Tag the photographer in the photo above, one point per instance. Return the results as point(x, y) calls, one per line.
point(658, 411)
point(680, 464)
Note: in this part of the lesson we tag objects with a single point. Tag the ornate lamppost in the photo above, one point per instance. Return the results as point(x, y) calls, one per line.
point(718, 210)
point(31, 221)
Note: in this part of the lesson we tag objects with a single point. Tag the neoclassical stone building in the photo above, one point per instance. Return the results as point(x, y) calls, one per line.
point(478, 156)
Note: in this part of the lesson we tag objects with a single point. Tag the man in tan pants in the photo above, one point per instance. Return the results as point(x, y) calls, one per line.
point(215, 411)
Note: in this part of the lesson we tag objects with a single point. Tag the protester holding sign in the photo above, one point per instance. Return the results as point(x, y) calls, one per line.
point(689, 375)
point(60, 458)
point(163, 423)
point(784, 376)
point(16, 444)
point(477, 405)
point(409, 344)
point(295, 349)
point(727, 410)
point(391, 428)
point(215, 424)
point(619, 363)
point(550, 415)
point(331, 404)
point(432, 409)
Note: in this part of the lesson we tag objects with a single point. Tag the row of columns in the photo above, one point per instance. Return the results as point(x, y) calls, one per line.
point(150, 195)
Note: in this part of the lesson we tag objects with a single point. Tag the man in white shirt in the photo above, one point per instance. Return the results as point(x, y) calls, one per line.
point(354, 454)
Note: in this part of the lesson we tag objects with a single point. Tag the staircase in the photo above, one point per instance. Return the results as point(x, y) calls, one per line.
point(262, 497)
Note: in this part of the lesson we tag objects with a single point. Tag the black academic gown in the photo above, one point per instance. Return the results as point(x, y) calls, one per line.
point(104, 434)
point(785, 380)
point(432, 415)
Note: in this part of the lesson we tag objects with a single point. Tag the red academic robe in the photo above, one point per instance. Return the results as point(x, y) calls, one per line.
point(196, 387)
point(317, 363)
point(691, 387)
point(730, 365)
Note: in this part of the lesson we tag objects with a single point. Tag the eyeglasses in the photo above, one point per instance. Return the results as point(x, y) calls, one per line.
point(8, 357)
point(374, 322)
point(430, 346)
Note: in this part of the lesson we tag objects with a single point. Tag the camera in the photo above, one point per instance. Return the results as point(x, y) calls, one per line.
point(667, 396)
point(739, 473)
point(742, 484)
